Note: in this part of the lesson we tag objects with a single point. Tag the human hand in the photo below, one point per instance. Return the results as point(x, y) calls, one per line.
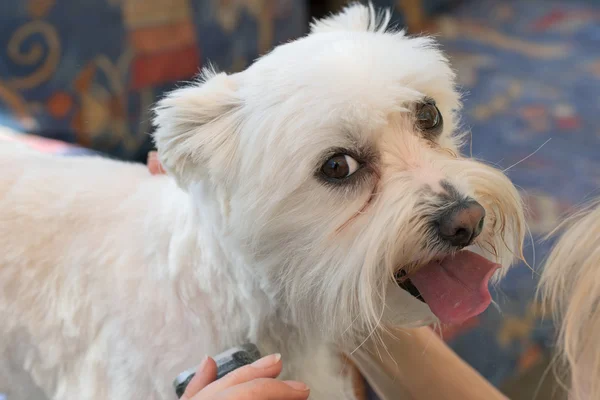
point(251, 382)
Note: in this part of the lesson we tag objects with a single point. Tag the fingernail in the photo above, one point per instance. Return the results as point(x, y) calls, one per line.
point(296, 385)
point(203, 364)
point(267, 361)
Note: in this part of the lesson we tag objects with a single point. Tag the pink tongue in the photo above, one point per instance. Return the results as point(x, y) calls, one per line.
point(456, 288)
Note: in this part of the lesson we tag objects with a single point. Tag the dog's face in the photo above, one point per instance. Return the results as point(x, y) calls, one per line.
point(333, 164)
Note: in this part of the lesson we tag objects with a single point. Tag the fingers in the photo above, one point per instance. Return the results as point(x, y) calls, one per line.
point(251, 382)
point(266, 389)
point(206, 374)
point(267, 367)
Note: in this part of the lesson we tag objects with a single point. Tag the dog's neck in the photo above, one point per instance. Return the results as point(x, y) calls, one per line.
point(213, 279)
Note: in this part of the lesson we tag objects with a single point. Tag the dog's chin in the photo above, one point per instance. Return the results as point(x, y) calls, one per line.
point(403, 310)
point(452, 288)
point(404, 282)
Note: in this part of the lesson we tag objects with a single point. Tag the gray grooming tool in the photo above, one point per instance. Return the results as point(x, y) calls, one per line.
point(227, 361)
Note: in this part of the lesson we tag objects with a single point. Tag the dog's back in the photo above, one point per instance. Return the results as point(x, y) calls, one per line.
point(60, 220)
point(50, 206)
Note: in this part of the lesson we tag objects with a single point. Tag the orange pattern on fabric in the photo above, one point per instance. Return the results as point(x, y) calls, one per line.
point(530, 357)
point(143, 13)
point(40, 8)
point(59, 104)
point(151, 70)
point(164, 37)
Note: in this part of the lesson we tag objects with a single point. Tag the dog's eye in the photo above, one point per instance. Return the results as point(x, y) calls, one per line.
point(339, 167)
point(429, 118)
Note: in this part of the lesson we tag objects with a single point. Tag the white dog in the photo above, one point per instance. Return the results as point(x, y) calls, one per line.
point(301, 195)
point(571, 287)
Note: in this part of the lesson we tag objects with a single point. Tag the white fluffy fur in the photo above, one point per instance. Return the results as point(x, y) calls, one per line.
point(570, 284)
point(113, 281)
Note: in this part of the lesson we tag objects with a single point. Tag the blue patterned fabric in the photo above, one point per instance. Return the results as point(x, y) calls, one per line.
point(531, 73)
point(427, 8)
point(87, 72)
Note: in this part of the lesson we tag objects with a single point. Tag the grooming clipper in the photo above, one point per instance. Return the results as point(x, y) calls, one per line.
point(227, 361)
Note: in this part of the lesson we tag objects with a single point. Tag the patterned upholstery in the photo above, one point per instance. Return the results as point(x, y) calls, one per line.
point(88, 71)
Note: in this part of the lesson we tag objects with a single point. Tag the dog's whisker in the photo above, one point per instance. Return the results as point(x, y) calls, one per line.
point(527, 157)
point(364, 341)
point(497, 307)
point(385, 348)
point(350, 325)
point(437, 327)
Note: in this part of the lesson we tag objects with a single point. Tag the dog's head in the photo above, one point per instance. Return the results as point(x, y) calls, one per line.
point(333, 164)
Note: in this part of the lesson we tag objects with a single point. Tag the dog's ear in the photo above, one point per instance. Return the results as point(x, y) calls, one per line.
point(194, 127)
point(355, 17)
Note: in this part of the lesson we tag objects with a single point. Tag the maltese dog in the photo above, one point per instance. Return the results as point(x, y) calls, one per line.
point(310, 201)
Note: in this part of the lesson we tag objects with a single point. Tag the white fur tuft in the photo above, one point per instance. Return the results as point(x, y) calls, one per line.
point(354, 18)
point(190, 125)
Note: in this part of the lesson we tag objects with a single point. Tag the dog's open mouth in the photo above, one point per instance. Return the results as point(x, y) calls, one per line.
point(405, 283)
point(455, 288)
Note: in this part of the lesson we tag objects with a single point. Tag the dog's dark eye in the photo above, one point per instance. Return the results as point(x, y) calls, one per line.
point(339, 167)
point(429, 118)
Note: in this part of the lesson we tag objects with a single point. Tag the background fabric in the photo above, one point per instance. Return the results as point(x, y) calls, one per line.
point(87, 72)
point(530, 73)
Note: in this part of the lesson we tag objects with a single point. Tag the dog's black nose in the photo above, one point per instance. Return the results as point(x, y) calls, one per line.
point(461, 224)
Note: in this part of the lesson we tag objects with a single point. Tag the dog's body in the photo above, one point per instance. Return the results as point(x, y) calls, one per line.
point(118, 322)
point(113, 280)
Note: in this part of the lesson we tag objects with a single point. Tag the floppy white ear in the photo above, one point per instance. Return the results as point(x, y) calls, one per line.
point(355, 17)
point(194, 127)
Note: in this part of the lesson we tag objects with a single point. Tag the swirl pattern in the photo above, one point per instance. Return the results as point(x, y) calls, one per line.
point(48, 56)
